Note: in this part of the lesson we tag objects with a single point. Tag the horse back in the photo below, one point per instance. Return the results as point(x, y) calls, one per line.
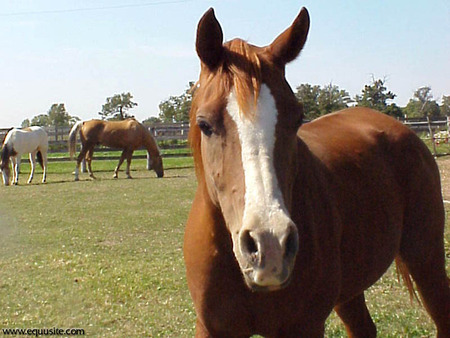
point(116, 134)
point(27, 140)
point(380, 173)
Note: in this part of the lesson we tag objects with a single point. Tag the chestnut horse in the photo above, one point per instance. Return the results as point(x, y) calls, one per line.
point(128, 135)
point(32, 140)
point(288, 224)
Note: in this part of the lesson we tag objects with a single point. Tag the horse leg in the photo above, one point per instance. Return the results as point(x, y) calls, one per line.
point(80, 157)
point(33, 166)
point(200, 330)
point(16, 169)
point(44, 164)
point(356, 318)
point(129, 157)
point(89, 156)
point(122, 158)
point(12, 159)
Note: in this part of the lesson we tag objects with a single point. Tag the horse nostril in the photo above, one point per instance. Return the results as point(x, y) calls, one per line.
point(291, 244)
point(249, 246)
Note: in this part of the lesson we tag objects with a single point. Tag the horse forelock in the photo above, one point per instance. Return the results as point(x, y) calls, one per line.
point(244, 64)
point(241, 72)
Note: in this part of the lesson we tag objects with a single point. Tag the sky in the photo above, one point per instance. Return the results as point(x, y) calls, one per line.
point(81, 52)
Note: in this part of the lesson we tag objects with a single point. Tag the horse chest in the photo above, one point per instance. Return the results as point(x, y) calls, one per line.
point(225, 304)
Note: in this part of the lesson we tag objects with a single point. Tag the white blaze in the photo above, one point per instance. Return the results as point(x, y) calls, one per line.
point(263, 199)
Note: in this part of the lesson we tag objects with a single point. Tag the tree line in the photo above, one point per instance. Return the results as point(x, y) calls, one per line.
point(317, 101)
point(115, 108)
point(322, 100)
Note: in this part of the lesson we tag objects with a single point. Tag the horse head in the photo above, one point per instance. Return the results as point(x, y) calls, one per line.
point(244, 121)
point(4, 164)
point(157, 165)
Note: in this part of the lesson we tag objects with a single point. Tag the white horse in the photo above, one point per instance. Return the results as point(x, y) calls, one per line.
point(33, 140)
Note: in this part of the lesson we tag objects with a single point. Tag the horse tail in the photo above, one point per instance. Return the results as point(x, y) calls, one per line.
point(73, 138)
point(402, 270)
point(39, 159)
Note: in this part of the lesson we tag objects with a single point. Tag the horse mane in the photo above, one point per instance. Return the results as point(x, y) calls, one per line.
point(240, 71)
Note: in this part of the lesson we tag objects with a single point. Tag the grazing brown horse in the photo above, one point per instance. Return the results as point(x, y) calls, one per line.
point(289, 223)
point(128, 135)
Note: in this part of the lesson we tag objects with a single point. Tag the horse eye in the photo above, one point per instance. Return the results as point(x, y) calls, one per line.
point(205, 127)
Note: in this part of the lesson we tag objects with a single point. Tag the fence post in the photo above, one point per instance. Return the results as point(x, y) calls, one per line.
point(432, 136)
point(149, 162)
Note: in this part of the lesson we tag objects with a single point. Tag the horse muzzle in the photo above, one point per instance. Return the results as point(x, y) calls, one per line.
point(267, 256)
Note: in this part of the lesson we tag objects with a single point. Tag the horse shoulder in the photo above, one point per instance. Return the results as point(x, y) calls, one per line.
point(206, 243)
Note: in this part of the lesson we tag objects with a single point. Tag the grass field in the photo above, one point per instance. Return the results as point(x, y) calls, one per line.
point(58, 156)
point(106, 256)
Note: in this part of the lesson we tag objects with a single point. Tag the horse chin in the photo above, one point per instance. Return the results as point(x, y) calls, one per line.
point(249, 282)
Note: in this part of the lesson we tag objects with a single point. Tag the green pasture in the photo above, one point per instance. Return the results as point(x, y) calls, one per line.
point(105, 152)
point(105, 255)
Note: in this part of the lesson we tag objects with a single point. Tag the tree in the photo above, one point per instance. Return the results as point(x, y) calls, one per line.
point(320, 101)
point(176, 108)
point(445, 106)
point(309, 96)
point(394, 111)
point(116, 107)
point(152, 120)
point(42, 120)
point(422, 104)
point(58, 116)
point(25, 123)
point(332, 99)
point(375, 96)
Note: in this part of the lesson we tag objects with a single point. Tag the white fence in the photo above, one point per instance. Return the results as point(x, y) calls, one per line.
point(179, 131)
point(161, 132)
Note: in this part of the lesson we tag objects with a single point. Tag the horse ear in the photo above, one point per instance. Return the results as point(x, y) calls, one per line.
point(286, 47)
point(209, 40)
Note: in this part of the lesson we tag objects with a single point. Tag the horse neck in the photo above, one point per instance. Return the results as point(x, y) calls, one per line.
point(5, 155)
point(150, 145)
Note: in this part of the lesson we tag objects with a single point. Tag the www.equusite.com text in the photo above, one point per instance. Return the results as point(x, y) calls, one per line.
point(55, 331)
